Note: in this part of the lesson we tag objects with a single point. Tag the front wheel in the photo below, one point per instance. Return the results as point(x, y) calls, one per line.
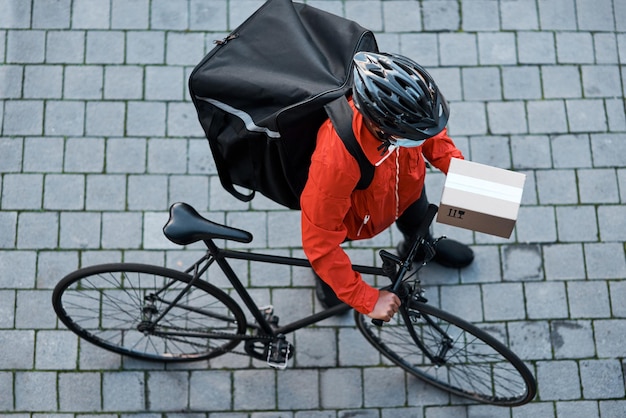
point(149, 312)
point(452, 355)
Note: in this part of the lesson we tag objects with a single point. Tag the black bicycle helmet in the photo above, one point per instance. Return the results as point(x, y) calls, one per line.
point(397, 97)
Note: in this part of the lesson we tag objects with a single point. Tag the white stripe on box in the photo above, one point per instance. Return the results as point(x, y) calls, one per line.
point(484, 187)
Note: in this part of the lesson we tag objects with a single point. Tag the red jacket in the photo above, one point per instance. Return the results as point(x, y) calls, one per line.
point(332, 210)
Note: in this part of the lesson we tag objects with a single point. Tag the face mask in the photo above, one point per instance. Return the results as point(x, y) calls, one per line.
point(403, 142)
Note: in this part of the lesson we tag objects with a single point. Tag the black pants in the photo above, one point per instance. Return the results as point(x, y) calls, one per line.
point(413, 216)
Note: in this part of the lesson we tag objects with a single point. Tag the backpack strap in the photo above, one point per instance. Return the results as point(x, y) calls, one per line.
point(340, 114)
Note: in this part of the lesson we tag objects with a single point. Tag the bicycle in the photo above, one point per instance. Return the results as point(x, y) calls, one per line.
point(155, 313)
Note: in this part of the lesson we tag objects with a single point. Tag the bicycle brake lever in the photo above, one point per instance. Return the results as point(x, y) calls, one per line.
point(377, 322)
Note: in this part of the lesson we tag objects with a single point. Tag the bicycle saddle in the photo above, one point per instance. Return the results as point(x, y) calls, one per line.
point(187, 226)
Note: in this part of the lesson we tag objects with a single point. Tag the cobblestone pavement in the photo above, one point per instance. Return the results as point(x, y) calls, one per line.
point(99, 136)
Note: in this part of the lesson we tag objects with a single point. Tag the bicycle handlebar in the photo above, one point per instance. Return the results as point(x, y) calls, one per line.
point(422, 231)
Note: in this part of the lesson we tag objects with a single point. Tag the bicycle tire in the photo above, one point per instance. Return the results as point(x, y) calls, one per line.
point(111, 306)
point(476, 366)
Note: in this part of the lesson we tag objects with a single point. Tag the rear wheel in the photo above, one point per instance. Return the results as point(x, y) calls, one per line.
point(452, 355)
point(134, 310)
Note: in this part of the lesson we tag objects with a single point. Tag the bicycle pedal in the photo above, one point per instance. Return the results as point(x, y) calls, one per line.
point(279, 352)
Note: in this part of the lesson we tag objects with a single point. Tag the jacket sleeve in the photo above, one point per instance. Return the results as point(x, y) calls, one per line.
point(325, 201)
point(440, 149)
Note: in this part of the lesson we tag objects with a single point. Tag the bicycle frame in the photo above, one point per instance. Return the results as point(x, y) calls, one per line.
point(221, 256)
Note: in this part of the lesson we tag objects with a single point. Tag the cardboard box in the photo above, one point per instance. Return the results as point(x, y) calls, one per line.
point(481, 198)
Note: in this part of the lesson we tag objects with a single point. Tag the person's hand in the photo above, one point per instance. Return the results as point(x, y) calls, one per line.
point(386, 306)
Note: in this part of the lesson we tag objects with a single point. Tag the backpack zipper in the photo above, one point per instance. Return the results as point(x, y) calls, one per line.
point(365, 221)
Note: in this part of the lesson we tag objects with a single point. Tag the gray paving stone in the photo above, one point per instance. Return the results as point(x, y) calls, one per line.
point(458, 49)
point(15, 14)
point(588, 300)
point(7, 309)
point(399, 16)
point(462, 301)
point(605, 46)
point(145, 119)
point(8, 229)
point(469, 119)
point(123, 82)
point(130, 14)
point(219, 397)
point(6, 380)
point(298, 389)
point(577, 223)
point(28, 393)
point(25, 46)
point(43, 155)
point(598, 186)
point(554, 379)
point(357, 12)
point(609, 337)
point(582, 408)
point(561, 81)
point(66, 47)
point(617, 291)
point(382, 387)
point(316, 347)
point(105, 192)
point(184, 48)
point(105, 47)
point(349, 380)
point(569, 151)
point(11, 79)
point(441, 15)
point(105, 119)
point(491, 150)
point(76, 391)
point(208, 15)
point(283, 229)
point(75, 151)
point(421, 47)
point(64, 191)
point(56, 350)
point(43, 81)
point(121, 230)
point(164, 83)
point(21, 353)
point(83, 82)
point(572, 339)
point(530, 340)
point(354, 351)
point(557, 14)
point(166, 156)
point(519, 15)
point(11, 151)
point(190, 189)
point(595, 15)
point(23, 118)
point(531, 151)
point(605, 260)
point(613, 409)
point(248, 395)
point(496, 48)
point(64, 118)
point(612, 223)
point(615, 114)
point(80, 230)
point(541, 409)
point(547, 117)
point(607, 149)
point(480, 15)
point(507, 118)
point(536, 48)
point(147, 192)
point(123, 391)
point(171, 15)
point(522, 263)
point(145, 47)
point(586, 115)
point(126, 155)
point(503, 301)
point(481, 83)
point(22, 191)
point(47, 14)
point(557, 187)
point(574, 48)
point(602, 379)
point(546, 300)
point(52, 266)
point(38, 230)
point(90, 14)
point(486, 267)
point(181, 122)
point(600, 80)
point(449, 82)
point(564, 262)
